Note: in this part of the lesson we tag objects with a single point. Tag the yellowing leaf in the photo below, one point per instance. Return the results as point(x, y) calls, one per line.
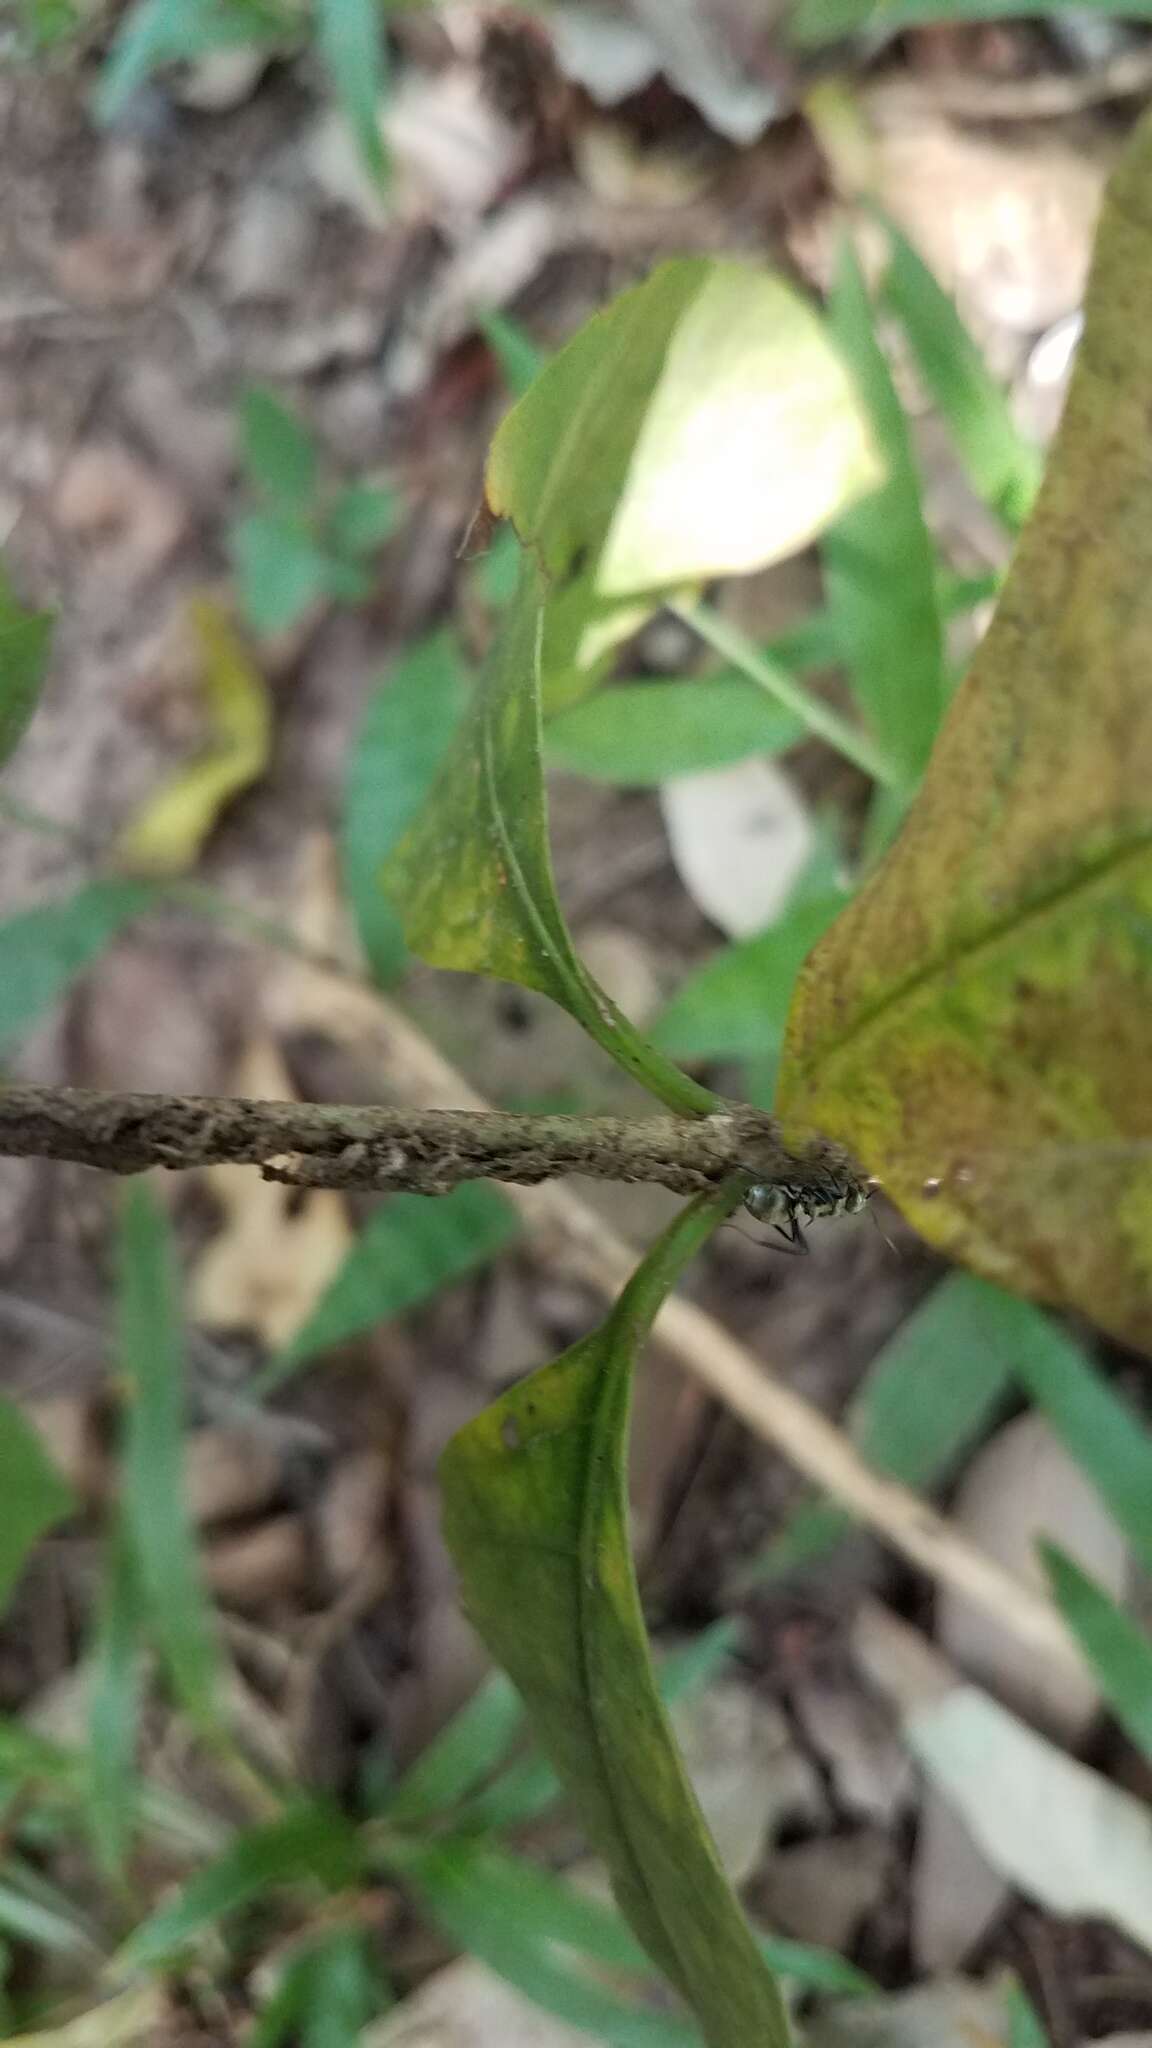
point(166, 836)
point(701, 425)
point(979, 1015)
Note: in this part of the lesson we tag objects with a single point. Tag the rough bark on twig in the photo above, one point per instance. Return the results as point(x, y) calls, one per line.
point(423, 1151)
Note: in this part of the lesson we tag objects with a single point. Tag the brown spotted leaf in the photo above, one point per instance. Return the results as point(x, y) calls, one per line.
point(982, 1013)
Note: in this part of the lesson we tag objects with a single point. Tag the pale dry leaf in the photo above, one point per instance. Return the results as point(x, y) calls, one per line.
point(957, 2012)
point(746, 1771)
point(1020, 1487)
point(452, 151)
point(351, 1513)
point(739, 837)
point(821, 1890)
point(955, 1893)
point(230, 1471)
point(701, 50)
point(1065, 1836)
point(466, 2006)
point(279, 1247)
point(260, 1567)
point(125, 515)
point(133, 2019)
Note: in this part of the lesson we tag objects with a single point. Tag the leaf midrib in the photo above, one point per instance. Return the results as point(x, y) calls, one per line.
point(966, 956)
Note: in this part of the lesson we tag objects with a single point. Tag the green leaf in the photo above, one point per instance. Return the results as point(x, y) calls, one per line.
point(280, 570)
point(701, 425)
point(925, 1398)
point(472, 878)
point(167, 834)
point(641, 734)
point(44, 949)
point(279, 453)
point(25, 643)
point(475, 1741)
point(156, 1519)
point(361, 518)
point(535, 1514)
point(34, 1911)
point(879, 561)
point(1117, 1650)
point(114, 1710)
point(735, 1006)
point(311, 1844)
point(1003, 466)
point(413, 1246)
point(403, 737)
point(815, 1969)
point(1105, 1437)
point(35, 1496)
point(515, 351)
point(350, 39)
point(529, 1927)
point(978, 1017)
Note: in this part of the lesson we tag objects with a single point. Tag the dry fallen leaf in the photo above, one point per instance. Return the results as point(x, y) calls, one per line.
point(166, 836)
point(739, 838)
point(279, 1247)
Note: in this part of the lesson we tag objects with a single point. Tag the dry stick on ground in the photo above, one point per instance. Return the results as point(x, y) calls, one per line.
point(574, 1239)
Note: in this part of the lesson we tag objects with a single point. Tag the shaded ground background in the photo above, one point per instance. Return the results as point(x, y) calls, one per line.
point(223, 232)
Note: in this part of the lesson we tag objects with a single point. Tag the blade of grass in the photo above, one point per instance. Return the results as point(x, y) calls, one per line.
point(1105, 1436)
point(880, 567)
point(114, 1709)
point(1003, 466)
point(35, 1496)
point(156, 1518)
point(1118, 1652)
point(817, 717)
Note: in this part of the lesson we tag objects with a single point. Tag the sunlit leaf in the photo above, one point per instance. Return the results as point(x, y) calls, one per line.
point(1004, 467)
point(279, 453)
point(35, 1495)
point(310, 1844)
point(25, 641)
point(701, 425)
point(167, 835)
point(404, 734)
point(472, 879)
point(987, 994)
point(156, 1519)
point(44, 949)
point(1118, 1651)
point(413, 1246)
point(535, 1514)
point(641, 734)
point(350, 39)
point(879, 561)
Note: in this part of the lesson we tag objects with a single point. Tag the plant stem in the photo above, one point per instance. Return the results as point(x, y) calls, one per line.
point(776, 682)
